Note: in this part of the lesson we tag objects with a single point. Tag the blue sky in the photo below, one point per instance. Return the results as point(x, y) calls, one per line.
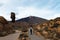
point(48, 9)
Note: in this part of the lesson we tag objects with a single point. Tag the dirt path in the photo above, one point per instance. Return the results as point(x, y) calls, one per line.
point(11, 36)
point(34, 37)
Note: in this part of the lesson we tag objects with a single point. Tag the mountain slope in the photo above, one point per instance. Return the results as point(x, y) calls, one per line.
point(32, 20)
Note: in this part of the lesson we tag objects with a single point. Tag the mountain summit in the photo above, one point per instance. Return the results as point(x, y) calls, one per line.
point(32, 20)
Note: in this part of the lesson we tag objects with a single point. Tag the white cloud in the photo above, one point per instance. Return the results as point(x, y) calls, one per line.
point(20, 7)
point(56, 15)
point(5, 13)
point(31, 11)
point(4, 1)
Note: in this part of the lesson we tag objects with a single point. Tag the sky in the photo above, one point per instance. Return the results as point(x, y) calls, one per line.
point(48, 9)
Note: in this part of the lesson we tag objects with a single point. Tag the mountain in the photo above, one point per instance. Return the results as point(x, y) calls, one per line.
point(32, 20)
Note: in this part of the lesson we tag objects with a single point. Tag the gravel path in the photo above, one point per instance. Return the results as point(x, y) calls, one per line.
point(11, 36)
point(16, 35)
point(34, 37)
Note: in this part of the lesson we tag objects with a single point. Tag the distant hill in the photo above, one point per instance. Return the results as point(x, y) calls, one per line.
point(32, 20)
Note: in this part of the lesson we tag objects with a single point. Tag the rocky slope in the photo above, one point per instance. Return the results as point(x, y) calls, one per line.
point(5, 27)
point(50, 29)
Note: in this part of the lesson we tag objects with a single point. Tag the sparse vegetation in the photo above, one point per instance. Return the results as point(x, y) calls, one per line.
point(50, 29)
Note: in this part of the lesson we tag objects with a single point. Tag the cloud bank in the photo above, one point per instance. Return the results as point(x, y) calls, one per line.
point(47, 9)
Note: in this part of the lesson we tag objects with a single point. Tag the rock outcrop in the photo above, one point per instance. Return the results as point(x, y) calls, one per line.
point(50, 29)
point(5, 27)
point(3, 20)
point(13, 16)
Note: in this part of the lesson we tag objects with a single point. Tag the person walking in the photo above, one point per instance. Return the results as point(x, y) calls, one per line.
point(30, 32)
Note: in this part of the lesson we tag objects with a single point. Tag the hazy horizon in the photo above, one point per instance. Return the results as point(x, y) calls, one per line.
point(48, 9)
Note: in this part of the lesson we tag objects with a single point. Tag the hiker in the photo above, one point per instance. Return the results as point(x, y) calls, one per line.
point(31, 31)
